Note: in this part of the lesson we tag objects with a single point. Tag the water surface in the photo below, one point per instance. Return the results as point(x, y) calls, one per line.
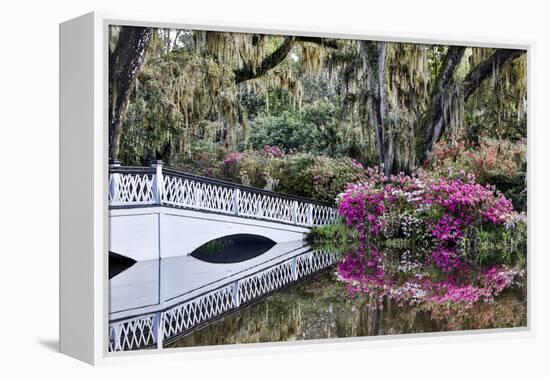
point(321, 308)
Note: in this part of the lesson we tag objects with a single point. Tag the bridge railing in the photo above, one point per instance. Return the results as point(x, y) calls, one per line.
point(157, 185)
point(152, 329)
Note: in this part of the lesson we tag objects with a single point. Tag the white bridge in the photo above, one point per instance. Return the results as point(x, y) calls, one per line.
point(158, 216)
point(161, 213)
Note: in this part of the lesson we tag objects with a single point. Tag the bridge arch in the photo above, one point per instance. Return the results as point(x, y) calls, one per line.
point(233, 249)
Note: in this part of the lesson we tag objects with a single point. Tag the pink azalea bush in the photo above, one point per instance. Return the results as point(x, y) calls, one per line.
point(500, 162)
point(448, 209)
point(362, 207)
point(488, 158)
point(465, 203)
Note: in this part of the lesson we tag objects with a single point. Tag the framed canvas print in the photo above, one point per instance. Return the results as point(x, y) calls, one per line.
point(227, 185)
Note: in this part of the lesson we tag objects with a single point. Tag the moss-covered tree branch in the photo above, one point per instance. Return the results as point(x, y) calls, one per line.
point(486, 69)
point(249, 72)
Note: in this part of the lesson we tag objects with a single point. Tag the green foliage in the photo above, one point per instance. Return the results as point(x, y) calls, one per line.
point(205, 159)
point(313, 130)
point(498, 107)
point(317, 177)
point(277, 130)
point(313, 101)
point(256, 167)
point(327, 177)
point(338, 233)
point(497, 245)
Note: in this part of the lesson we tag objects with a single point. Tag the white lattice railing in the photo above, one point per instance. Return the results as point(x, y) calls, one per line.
point(134, 333)
point(152, 329)
point(134, 187)
point(129, 186)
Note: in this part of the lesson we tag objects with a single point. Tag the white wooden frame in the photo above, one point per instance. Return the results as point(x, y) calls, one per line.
point(84, 189)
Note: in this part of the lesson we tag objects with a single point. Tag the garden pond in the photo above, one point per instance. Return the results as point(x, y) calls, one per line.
point(375, 295)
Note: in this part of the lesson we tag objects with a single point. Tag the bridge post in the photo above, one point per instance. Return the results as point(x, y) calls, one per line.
point(294, 211)
point(197, 192)
point(236, 200)
point(236, 297)
point(113, 181)
point(310, 214)
point(158, 332)
point(294, 269)
point(115, 338)
point(157, 181)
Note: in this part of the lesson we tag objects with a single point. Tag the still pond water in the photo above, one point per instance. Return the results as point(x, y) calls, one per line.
point(322, 308)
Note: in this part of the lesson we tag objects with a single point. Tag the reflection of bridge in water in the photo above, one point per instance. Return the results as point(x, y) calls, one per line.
point(159, 216)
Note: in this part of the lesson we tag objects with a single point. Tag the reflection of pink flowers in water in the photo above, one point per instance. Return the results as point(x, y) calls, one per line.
point(353, 266)
point(464, 287)
point(366, 275)
point(483, 285)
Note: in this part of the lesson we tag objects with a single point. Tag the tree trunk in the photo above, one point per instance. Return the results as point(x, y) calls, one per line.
point(124, 65)
point(372, 52)
point(444, 81)
point(386, 127)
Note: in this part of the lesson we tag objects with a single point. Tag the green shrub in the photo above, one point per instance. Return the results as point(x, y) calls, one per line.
point(205, 159)
point(337, 237)
point(302, 174)
point(313, 129)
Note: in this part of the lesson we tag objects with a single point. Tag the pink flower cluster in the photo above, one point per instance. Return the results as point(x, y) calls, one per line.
point(357, 164)
point(362, 206)
point(469, 201)
point(232, 158)
point(448, 228)
point(272, 151)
